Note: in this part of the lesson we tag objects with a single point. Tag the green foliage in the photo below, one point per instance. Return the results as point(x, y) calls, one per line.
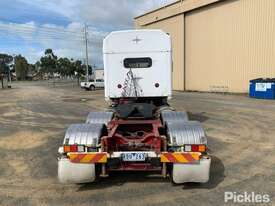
point(49, 62)
point(21, 67)
point(64, 66)
point(5, 60)
point(79, 68)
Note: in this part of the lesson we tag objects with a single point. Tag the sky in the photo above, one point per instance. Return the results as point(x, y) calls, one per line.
point(28, 27)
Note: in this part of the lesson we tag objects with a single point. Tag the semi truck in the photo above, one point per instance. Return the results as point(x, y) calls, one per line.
point(139, 131)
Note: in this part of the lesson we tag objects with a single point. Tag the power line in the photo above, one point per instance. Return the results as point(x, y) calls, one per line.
point(37, 29)
point(40, 33)
point(16, 32)
point(29, 37)
point(40, 41)
point(50, 29)
point(33, 37)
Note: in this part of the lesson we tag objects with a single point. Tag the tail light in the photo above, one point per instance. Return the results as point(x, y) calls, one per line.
point(74, 148)
point(195, 148)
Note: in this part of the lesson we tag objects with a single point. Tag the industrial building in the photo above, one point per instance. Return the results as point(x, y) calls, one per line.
point(99, 74)
point(218, 45)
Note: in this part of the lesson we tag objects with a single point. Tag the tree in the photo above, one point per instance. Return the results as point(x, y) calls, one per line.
point(37, 66)
point(78, 69)
point(69, 67)
point(90, 69)
point(21, 67)
point(5, 60)
point(49, 62)
point(65, 67)
point(32, 69)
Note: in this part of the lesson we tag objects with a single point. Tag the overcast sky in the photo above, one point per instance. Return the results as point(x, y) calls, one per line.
point(28, 27)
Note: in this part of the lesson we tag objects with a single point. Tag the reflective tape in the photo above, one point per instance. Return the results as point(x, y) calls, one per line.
point(180, 157)
point(88, 157)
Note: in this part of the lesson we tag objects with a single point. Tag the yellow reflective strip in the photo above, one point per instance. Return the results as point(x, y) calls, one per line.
point(196, 156)
point(72, 156)
point(180, 158)
point(103, 159)
point(87, 158)
point(163, 158)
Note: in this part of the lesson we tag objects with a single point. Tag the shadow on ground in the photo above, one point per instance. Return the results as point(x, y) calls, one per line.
point(201, 117)
point(216, 176)
point(120, 178)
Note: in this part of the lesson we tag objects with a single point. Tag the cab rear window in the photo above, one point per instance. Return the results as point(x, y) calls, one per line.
point(144, 62)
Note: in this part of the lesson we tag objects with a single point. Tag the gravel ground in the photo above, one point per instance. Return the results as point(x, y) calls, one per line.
point(34, 117)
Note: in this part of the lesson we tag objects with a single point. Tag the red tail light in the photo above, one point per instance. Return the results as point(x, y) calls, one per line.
point(195, 148)
point(74, 148)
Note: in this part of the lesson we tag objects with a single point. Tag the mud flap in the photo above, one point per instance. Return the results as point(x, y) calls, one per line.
point(75, 172)
point(200, 172)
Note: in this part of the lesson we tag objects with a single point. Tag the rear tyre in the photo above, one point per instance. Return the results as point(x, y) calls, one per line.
point(92, 88)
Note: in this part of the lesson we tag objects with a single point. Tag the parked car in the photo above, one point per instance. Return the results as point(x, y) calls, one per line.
point(92, 84)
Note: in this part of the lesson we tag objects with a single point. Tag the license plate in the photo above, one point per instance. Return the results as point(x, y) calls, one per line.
point(133, 156)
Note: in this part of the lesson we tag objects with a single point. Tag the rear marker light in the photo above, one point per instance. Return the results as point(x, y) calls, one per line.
point(202, 148)
point(80, 148)
point(66, 148)
point(194, 148)
point(187, 148)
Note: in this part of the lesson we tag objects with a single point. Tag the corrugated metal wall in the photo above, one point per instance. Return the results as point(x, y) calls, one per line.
point(175, 27)
point(229, 43)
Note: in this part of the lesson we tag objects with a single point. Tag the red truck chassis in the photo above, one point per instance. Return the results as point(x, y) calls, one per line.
point(131, 136)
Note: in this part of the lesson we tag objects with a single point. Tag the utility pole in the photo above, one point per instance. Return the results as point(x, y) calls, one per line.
point(87, 56)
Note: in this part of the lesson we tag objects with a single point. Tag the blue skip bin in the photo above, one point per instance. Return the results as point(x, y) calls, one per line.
point(262, 88)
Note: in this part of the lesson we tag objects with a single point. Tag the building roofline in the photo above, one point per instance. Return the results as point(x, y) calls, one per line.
point(171, 10)
point(157, 9)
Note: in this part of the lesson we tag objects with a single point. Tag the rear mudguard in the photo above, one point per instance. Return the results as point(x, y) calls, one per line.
point(69, 172)
point(198, 172)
